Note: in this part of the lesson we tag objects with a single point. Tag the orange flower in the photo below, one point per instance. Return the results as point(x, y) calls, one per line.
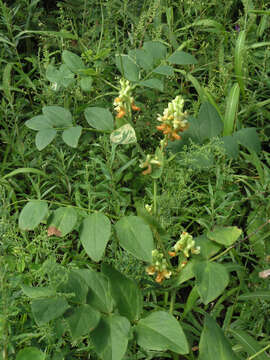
point(161, 127)
point(172, 253)
point(117, 100)
point(160, 277)
point(148, 170)
point(135, 108)
point(175, 136)
point(121, 113)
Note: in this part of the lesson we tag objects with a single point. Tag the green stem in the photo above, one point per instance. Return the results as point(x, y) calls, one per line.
point(155, 197)
point(259, 352)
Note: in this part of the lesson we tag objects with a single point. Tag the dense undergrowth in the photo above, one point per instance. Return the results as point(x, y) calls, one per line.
point(134, 179)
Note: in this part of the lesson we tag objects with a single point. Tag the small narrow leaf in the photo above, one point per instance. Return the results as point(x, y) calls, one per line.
point(250, 345)
point(32, 214)
point(231, 110)
point(71, 136)
point(95, 234)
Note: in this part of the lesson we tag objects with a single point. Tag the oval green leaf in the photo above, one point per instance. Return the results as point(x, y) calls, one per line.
point(182, 58)
point(58, 116)
point(160, 331)
point(225, 235)
point(125, 292)
point(82, 320)
point(135, 237)
point(99, 118)
point(45, 310)
point(95, 234)
point(211, 278)
point(30, 353)
point(63, 219)
point(71, 136)
point(44, 138)
point(32, 214)
point(73, 61)
point(127, 67)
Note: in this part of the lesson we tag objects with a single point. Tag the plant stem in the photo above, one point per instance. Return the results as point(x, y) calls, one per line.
point(259, 352)
point(155, 197)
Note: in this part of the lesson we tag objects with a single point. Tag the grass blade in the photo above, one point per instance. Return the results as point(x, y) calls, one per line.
point(238, 60)
point(231, 110)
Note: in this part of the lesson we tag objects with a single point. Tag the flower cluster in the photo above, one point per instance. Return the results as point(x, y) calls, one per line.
point(158, 267)
point(124, 101)
point(173, 119)
point(186, 245)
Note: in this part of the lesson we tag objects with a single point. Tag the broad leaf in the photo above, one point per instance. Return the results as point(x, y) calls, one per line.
point(58, 116)
point(82, 320)
point(249, 138)
point(116, 337)
point(71, 136)
point(213, 343)
point(44, 138)
point(63, 219)
point(225, 235)
point(153, 84)
point(95, 234)
point(125, 293)
point(32, 214)
point(30, 353)
point(99, 118)
point(211, 278)
point(210, 123)
point(142, 58)
point(127, 67)
point(231, 146)
point(99, 295)
point(161, 331)
point(74, 285)
point(157, 50)
point(73, 61)
point(123, 135)
point(164, 70)
point(39, 122)
point(86, 83)
point(45, 310)
point(135, 237)
point(208, 248)
point(182, 58)
point(37, 292)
